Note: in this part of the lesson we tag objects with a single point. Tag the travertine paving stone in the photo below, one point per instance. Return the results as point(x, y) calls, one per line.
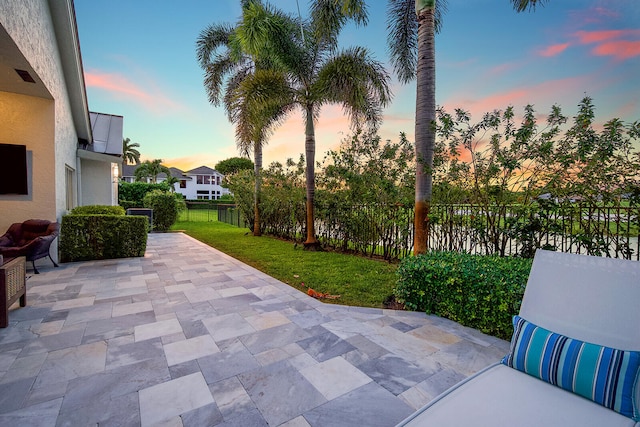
point(188, 336)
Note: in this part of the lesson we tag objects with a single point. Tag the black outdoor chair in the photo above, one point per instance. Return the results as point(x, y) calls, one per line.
point(30, 239)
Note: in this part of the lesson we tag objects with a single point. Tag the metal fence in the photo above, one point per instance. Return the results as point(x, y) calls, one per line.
point(387, 230)
point(199, 212)
point(519, 230)
point(231, 214)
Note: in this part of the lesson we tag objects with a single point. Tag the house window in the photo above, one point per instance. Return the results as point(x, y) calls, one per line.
point(203, 179)
point(70, 188)
point(218, 180)
point(183, 183)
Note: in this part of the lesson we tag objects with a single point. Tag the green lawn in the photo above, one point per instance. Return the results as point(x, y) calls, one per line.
point(359, 281)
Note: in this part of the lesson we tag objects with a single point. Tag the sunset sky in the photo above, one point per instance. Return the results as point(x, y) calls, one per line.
point(139, 62)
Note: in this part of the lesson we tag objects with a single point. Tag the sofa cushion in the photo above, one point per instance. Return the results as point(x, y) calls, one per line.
point(6, 241)
point(505, 397)
point(602, 374)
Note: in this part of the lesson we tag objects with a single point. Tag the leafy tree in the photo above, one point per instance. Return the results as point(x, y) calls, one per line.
point(130, 154)
point(506, 166)
point(234, 165)
point(131, 194)
point(367, 170)
point(312, 74)
point(151, 169)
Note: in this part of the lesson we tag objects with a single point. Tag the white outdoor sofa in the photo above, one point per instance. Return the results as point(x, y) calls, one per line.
point(592, 299)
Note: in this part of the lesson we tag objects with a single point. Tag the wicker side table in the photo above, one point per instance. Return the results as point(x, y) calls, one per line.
point(12, 287)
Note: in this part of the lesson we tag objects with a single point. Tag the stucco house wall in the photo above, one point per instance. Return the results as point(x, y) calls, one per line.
point(50, 116)
point(39, 47)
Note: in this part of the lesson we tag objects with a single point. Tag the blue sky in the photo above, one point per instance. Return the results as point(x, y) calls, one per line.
point(139, 62)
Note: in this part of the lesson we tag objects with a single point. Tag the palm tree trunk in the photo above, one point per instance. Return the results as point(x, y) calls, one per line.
point(425, 119)
point(257, 157)
point(310, 154)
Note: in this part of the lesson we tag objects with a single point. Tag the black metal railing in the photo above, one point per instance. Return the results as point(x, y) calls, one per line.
point(505, 230)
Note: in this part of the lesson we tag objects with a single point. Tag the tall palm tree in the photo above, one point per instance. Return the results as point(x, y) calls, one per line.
point(130, 154)
point(151, 169)
point(313, 73)
point(412, 25)
point(223, 60)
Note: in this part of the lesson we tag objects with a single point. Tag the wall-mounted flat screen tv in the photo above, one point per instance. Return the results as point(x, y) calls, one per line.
point(13, 169)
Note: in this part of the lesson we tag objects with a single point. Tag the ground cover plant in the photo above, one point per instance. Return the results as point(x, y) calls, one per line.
point(359, 281)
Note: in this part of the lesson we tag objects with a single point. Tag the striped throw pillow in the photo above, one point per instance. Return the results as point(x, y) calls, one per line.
point(604, 375)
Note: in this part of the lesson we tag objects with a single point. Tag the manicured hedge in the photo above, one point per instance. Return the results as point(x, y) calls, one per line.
point(98, 210)
point(87, 237)
point(482, 292)
point(131, 194)
point(166, 207)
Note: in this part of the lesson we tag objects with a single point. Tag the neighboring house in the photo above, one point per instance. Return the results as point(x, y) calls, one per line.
point(127, 173)
point(70, 160)
point(202, 183)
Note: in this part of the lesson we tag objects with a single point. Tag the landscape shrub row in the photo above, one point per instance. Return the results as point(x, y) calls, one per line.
point(88, 237)
point(482, 292)
point(98, 210)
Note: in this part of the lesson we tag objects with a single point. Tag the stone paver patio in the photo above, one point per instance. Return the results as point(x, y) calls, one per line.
point(188, 336)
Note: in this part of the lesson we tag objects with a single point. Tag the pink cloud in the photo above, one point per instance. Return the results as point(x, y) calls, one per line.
point(120, 87)
point(620, 44)
point(587, 37)
point(555, 90)
point(592, 16)
point(554, 50)
point(502, 68)
point(621, 49)
point(630, 109)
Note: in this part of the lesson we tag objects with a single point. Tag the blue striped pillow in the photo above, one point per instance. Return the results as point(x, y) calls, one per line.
point(604, 375)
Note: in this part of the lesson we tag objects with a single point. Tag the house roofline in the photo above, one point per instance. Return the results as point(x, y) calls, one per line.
point(66, 29)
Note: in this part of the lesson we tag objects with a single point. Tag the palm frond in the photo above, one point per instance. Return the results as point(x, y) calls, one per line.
point(211, 39)
point(357, 81)
point(257, 105)
point(329, 16)
point(530, 5)
point(402, 37)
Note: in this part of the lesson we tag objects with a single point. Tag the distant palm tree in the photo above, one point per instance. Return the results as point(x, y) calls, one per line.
point(130, 154)
point(172, 181)
point(151, 170)
point(308, 72)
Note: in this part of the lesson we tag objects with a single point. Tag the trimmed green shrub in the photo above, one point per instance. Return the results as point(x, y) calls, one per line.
point(87, 237)
point(165, 208)
point(98, 210)
point(482, 292)
point(131, 194)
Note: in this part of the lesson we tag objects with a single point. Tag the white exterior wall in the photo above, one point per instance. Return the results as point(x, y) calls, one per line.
point(95, 189)
point(29, 24)
point(45, 125)
point(191, 192)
